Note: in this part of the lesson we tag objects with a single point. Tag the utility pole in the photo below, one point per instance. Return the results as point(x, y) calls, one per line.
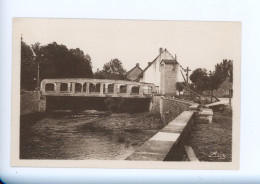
point(187, 70)
point(38, 74)
point(187, 76)
point(37, 59)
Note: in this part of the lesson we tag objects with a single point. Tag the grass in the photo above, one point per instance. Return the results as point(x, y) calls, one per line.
point(213, 142)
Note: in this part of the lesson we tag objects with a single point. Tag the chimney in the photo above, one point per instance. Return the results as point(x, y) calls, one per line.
point(149, 63)
point(160, 50)
point(137, 64)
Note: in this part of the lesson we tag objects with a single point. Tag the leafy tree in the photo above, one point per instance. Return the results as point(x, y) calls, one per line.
point(200, 79)
point(204, 80)
point(57, 61)
point(179, 86)
point(84, 67)
point(112, 70)
point(28, 67)
point(224, 70)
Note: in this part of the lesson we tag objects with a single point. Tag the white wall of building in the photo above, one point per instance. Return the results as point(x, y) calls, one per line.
point(152, 74)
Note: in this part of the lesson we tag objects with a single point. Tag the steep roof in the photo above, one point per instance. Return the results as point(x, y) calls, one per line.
point(136, 66)
point(150, 63)
point(133, 74)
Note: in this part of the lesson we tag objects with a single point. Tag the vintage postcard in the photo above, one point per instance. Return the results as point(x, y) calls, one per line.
point(126, 94)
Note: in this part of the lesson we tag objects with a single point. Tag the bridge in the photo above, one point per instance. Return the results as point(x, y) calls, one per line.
point(85, 87)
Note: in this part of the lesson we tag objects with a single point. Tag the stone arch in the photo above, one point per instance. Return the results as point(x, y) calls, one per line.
point(110, 88)
point(94, 87)
point(64, 87)
point(97, 87)
point(122, 88)
point(135, 89)
point(91, 87)
point(78, 87)
point(49, 87)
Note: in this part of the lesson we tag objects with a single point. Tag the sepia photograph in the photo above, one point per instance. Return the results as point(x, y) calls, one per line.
point(126, 93)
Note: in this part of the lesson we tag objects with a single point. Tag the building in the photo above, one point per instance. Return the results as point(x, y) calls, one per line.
point(134, 73)
point(162, 71)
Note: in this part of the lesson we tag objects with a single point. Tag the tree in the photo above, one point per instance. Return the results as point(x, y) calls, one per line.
point(224, 70)
point(112, 70)
point(57, 61)
point(84, 66)
point(180, 86)
point(200, 79)
point(28, 67)
point(204, 80)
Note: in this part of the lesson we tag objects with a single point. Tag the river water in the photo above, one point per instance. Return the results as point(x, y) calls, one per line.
point(81, 137)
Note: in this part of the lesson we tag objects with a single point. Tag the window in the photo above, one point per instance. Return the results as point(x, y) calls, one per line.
point(64, 87)
point(49, 87)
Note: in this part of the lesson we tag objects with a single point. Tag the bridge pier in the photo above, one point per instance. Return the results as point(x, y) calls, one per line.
point(42, 103)
point(87, 88)
point(101, 89)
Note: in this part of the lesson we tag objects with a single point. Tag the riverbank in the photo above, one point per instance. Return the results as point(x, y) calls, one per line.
point(213, 142)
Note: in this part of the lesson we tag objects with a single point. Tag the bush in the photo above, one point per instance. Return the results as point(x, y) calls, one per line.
point(154, 114)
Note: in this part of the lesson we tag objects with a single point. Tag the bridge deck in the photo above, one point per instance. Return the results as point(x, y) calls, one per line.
point(96, 88)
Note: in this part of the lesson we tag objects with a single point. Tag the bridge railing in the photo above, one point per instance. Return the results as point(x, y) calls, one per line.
point(96, 87)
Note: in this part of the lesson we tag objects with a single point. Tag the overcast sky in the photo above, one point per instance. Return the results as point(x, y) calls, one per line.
point(196, 44)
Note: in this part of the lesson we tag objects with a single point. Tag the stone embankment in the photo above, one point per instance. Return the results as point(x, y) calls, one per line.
point(168, 143)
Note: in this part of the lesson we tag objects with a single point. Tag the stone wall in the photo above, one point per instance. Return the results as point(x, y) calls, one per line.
point(29, 101)
point(168, 108)
point(171, 108)
point(155, 105)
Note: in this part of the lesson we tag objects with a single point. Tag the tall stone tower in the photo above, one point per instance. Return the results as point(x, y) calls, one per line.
point(169, 73)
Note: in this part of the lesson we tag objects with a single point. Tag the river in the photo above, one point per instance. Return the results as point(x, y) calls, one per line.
point(79, 136)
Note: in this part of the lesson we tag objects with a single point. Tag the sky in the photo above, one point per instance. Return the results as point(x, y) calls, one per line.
point(196, 44)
